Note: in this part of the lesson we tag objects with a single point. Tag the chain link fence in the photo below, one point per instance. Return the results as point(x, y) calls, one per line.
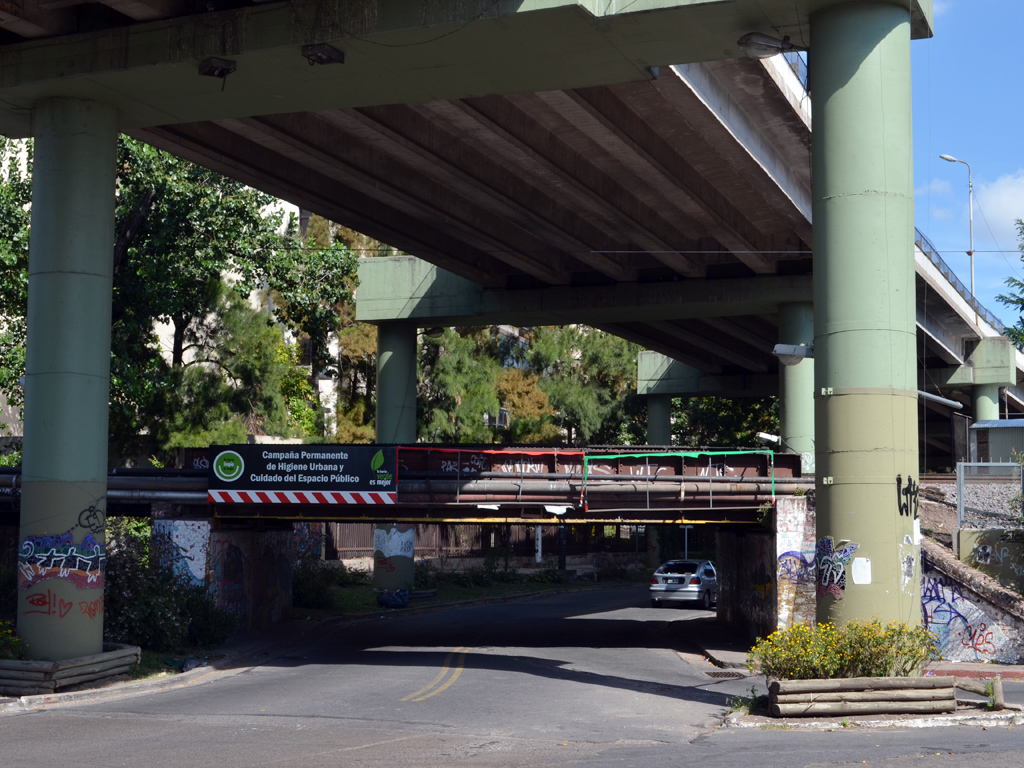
point(989, 495)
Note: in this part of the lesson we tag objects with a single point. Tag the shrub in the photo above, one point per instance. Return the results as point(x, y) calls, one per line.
point(150, 605)
point(858, 649)
point(11, 646)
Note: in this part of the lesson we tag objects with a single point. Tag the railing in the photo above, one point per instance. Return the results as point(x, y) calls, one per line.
point(929, 250)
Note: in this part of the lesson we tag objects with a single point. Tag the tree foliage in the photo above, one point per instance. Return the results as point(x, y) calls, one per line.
point(1015, 298)
point(15, 199)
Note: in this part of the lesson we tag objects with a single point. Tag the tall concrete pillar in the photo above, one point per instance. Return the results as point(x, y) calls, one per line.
point(985, 401)
point(659, 420)
point(865, 379)
point(796, 385)
point(67, 381)
point(396, 383)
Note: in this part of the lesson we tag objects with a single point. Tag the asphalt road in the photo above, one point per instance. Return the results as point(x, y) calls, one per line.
point(583, 679)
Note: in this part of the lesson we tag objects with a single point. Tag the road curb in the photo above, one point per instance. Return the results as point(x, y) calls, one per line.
point(984, 719)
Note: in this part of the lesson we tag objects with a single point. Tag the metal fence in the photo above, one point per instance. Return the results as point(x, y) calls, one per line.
point(988, 495)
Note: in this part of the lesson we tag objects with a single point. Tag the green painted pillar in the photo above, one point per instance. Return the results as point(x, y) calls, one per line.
point(659, 419)
point(865, 378)
point(67, 381)
point(796, 385)
point(985, 401)
point(396, 383)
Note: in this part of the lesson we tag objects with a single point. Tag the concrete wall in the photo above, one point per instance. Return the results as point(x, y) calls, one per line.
point(746, 581)
point(250, 574)
point(795, 549)
point(974, 617)
point(995, 552)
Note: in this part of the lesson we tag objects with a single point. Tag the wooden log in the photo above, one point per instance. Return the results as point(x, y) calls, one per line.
point(45, 666)
point(863, 708)
point(972, 686)
point(81, 661)
point(858, 684)
point(19, 684)
point(929, 694)
point(88, 678)
point(23, 674)
point(88, 669)
point(998, 701)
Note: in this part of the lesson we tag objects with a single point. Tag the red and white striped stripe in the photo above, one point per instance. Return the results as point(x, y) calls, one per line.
point(301, 497)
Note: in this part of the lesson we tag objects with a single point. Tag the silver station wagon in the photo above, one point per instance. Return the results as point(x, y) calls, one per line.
point(691, 581)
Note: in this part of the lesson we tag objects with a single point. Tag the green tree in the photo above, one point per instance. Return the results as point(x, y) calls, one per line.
point(590, 380)
point(312, 284)
point(15, 198)
point(1015, 299)
point(703, 422)
point(458, 387)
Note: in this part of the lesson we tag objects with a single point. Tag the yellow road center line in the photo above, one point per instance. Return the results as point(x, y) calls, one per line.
point(452, 679)
point(444, 671)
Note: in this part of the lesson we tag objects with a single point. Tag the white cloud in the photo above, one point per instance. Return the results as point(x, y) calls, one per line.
point(935, 186)
point(1002, 202)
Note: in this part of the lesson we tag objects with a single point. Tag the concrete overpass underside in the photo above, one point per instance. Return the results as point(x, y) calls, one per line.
point(471, 175)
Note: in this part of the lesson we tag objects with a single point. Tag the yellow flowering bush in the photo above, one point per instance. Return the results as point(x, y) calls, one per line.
point(11, 646)
point(857, 649)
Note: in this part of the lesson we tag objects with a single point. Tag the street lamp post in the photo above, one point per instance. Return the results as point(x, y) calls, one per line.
point(970, 198)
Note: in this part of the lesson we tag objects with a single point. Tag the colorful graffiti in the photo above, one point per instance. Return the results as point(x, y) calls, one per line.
point(964, 631)
point(831, 565)
point(797, 567)
point(309, 537)
point(58, 557)
point(190, 546)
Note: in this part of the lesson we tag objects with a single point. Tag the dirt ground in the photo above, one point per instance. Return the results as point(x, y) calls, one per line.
point(938, 516)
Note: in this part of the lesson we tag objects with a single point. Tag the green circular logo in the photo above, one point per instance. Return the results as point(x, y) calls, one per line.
point(228, 466)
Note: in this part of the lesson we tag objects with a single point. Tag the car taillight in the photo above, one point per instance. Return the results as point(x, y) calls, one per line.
point(694, 581)
point(654, 581)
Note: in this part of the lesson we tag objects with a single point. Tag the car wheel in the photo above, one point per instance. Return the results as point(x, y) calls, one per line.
point(655, 603)
point(707, 600)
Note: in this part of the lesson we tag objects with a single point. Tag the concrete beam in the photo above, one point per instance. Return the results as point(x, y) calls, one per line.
point(403, 51)
point(992, 362)
point(407, 288)
point(658, 374)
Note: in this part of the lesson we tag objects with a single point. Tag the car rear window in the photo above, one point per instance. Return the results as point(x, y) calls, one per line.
point(680, 566)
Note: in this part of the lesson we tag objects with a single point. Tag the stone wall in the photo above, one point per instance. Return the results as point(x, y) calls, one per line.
point(250, 574)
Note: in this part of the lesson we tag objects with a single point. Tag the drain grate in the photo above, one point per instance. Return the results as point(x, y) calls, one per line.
point(725, 675)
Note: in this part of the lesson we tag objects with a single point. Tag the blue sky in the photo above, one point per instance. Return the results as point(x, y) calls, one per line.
point(968, 103)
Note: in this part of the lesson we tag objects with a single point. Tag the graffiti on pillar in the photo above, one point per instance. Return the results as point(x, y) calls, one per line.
point(397, 541)
point(907, 497)
point(91, 608)
point(48, 604)
point(309, 538)
point(796, 567)
point(831, 563)
point(93, 520)
point(59, 557)
point(189, 546)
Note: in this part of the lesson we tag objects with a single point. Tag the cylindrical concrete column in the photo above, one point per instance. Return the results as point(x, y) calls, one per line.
point(67, 382)
point(396, 383)
point(865, 378)
point(659, 419)
point(985, 401)
point(796, 385)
